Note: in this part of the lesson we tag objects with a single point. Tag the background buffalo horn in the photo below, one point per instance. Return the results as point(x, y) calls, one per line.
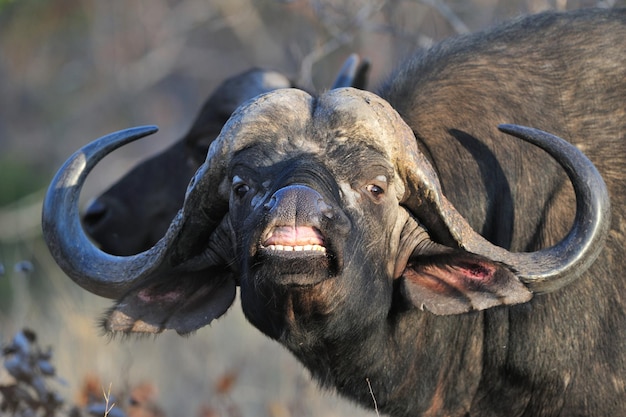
point(353, 73)
point(96, 271)
point(548, 269)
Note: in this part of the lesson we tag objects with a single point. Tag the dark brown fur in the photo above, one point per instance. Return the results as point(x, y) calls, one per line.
point(566, 74)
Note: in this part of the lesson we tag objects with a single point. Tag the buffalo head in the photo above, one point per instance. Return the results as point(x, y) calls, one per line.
point(320, 209)
point(135, 212)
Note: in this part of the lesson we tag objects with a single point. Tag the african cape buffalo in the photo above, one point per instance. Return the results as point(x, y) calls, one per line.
point(401, 240)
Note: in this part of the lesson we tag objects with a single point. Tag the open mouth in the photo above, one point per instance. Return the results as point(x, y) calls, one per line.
point(297, 248)
point(294, 256)
point(298, 240)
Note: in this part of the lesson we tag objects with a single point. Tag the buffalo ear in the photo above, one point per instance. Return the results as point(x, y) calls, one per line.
point(182, 303)
point(458, 282)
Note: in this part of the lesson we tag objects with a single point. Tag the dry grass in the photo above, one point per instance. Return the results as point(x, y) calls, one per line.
point(72, 70)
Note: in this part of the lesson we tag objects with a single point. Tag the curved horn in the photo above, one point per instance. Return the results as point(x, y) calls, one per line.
point(96, 271)
point(206, 202)
point(548, 269)
point(552, 268)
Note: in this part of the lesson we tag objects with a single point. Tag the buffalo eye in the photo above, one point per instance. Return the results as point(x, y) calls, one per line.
point(240, 188)
point(377, 188)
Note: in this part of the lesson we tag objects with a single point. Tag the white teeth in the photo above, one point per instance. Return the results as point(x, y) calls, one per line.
point(284, 248)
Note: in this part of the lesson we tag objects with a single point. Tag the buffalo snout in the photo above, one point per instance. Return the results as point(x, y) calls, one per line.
point(299, 204)
point(301, 232)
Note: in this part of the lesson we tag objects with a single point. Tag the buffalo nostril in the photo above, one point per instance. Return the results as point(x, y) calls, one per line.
point(95, 212)
point(270, 204)
point(326, 209)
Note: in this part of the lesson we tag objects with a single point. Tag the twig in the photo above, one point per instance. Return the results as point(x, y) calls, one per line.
point(447, 13)
point(107, 396)
point(339, 36)
point(373, 396)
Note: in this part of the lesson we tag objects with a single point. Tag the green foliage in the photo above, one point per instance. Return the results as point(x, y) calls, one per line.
point(18, 179)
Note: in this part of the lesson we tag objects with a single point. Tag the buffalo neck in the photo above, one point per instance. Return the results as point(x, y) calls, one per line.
point(371, 364)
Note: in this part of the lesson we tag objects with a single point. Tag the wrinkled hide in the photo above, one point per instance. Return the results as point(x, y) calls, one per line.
point(348, 221)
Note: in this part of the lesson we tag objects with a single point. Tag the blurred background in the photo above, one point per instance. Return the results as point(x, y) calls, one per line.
point(74, 70)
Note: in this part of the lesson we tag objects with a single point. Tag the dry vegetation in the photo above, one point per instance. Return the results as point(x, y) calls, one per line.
point(72, 70)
